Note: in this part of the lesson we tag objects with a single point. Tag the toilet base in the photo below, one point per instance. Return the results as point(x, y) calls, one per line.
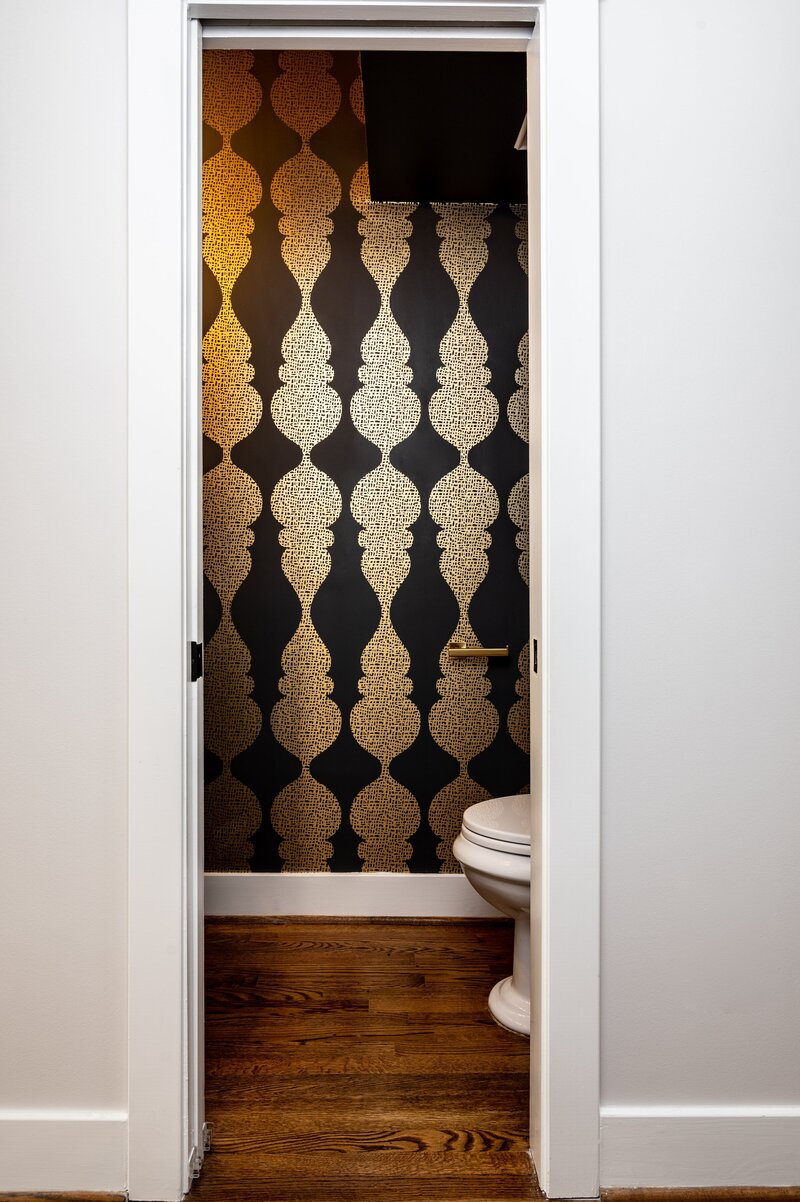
point(503, 879)
point(509, 1008)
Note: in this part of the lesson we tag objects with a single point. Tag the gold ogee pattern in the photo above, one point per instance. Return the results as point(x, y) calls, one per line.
point(306, 502)
point(463, 504)
point(519, 502)
point(231, 499)
point(384, 503)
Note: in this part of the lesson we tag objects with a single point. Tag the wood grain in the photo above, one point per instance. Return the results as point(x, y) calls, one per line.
point(358, 1060)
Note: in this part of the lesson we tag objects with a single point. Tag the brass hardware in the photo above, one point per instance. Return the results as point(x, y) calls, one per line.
point(462, 651)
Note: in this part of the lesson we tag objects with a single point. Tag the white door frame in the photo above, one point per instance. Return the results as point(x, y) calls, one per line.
point(163, 350)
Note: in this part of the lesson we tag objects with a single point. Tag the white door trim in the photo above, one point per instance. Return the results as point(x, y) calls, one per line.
point(160, 392)
point(364, 37)
point(193, 892)
point(158, 1006)
point(566, 1153)
point(364, 12)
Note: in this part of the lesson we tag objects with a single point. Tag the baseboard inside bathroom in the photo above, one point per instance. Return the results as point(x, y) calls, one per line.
point(344, 894)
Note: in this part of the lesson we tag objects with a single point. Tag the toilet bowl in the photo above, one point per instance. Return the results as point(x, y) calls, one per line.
point(494, 850)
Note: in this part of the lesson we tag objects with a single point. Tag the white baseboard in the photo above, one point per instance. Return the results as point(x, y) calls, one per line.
point(679, 1147)
point(63, 1151)
point(339, 894)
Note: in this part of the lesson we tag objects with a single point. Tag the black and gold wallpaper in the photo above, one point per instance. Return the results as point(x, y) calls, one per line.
point(365, 491)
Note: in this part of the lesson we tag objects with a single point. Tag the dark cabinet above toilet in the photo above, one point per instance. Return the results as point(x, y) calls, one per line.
point(442, 127)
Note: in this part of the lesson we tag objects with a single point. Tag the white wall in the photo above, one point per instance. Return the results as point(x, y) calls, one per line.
point(63, 632)
point(701, 822)
point(701, 545)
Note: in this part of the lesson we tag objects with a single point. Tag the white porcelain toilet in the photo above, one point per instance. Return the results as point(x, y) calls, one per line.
point(494, 849)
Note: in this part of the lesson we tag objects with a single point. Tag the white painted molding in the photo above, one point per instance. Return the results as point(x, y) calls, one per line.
point(63, 1150)
point(158, 802)
point(364, 37)
point(352, 894)
point(411, 11)
point(569, 661)
point(680, 1147)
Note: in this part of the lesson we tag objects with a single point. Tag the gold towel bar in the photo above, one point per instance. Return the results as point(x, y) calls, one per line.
point(461, 651)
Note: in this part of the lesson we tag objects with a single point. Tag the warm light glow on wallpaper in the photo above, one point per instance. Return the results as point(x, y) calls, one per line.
point(365, 500)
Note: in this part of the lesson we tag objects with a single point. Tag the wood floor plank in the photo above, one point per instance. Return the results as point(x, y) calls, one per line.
point(428, 1065)
point(365, 1095)
point(356, 1136)
point(411, 1164)
point(442, 931)
point(282, 1050)
point(446, 1032)
point(329, 980)
point(366, 1113)
point(367, 1129)
point(227, 999)
point(507, 1187)
point(426, 1001)
point(466, 1090)
point(258, 1023)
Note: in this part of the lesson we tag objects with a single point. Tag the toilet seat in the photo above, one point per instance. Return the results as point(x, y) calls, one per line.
point(508, 848)
point(501, 824)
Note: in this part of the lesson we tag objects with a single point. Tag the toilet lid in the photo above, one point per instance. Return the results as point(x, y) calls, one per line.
point(503, 820)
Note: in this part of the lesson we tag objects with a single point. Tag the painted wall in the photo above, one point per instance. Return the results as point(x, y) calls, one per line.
point(63, 633)
point(701, 552)
point(365, 494)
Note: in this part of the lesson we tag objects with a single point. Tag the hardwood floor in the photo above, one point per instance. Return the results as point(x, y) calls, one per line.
point(354, 1060)
point(358, 1060)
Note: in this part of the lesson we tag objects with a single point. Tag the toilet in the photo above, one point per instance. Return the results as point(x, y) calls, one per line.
point(494, 850)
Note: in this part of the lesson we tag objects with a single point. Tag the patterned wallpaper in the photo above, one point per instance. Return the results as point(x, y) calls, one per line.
point(365, 489)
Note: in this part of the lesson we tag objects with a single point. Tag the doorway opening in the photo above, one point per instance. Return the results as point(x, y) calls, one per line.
point(365, 511)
